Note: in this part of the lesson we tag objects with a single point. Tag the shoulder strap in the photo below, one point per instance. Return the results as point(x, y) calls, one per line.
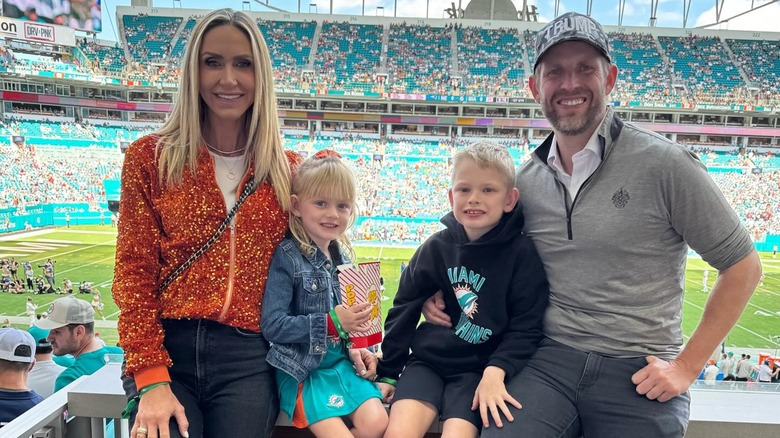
point(249, 188)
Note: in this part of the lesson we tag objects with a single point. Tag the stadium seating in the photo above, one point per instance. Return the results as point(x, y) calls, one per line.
point(148, 37)
point(491, 61)
point(181, 42)
point(449, 60)
point(702, 63)
point(419, 59)
point(760, 59)
point(68, 162)
point(348, 55)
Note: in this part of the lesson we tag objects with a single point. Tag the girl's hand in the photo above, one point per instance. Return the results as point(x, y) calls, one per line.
point(491, 397)
point(354, 318)
point(387, 390)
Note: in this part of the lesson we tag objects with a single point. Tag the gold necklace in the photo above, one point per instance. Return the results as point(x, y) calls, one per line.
point(231, 169)
point(224, 152)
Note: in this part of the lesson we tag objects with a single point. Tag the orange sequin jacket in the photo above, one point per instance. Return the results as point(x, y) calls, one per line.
point(159, 228)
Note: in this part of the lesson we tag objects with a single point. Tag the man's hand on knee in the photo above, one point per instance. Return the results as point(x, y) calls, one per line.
point(433, 310)
point(661, 380)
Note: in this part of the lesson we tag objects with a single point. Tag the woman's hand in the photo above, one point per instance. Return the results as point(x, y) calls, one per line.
point(155, 410)
point(354, 318)
point(364, 362)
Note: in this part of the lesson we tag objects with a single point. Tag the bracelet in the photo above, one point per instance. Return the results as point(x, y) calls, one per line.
point(387, 380)
point(134, 401)
point(339, 328)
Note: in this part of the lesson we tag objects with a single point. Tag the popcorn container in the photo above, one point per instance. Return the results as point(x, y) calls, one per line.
point(359, 285)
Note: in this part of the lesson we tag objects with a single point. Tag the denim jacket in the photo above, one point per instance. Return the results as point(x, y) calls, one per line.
point(298, 296)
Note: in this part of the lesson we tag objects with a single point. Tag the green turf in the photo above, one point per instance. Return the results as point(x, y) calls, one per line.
point(86, 253)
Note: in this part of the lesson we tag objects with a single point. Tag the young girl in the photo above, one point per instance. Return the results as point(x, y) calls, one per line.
point(302, 314)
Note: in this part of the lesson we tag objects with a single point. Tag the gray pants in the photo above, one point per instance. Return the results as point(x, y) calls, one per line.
point(568, 393)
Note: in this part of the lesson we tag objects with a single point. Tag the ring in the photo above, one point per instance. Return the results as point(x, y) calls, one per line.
point(142, 431)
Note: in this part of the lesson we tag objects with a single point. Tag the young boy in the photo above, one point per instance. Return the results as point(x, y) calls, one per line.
point(494, 287)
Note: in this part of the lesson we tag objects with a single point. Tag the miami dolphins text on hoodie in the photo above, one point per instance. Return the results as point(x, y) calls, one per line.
point(495, 291)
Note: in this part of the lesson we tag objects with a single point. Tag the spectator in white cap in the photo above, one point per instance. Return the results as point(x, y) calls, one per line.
point(71, 325)
point(17, 357)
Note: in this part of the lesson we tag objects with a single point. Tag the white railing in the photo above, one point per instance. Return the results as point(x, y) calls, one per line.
point(723, 409)
point(87, 403)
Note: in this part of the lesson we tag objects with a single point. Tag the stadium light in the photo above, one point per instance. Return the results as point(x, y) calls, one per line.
point(380, 8)
point(313, 5)
point(246, 6)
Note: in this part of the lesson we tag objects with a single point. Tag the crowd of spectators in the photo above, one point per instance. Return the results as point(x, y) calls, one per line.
point(423, 59)
point(348, 55)
point(755, 197)
point(390, 211)
point(148, 38)
point(419, 58)
point(490, 62)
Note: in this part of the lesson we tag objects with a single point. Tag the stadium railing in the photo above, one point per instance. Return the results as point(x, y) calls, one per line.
point(722, 409)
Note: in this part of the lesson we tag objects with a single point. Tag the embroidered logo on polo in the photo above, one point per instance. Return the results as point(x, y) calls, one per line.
point(466, 285)
point(620, 198)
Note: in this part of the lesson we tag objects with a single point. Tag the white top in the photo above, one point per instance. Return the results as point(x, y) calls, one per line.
point(711, 373)
point(584, 163)
point(765, 373)
point(42, 377)
point(728, 366)
point(229, 172)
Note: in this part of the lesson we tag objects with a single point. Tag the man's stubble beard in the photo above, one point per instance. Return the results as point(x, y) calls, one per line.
point(573, 125)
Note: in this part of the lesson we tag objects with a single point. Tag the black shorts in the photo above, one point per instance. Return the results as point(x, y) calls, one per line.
point(450, 395)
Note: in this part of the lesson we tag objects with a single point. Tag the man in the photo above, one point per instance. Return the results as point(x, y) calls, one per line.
point(48, 272)
point(612, 209)
point(71, 325)
point(44, 373)
point(727, 365)
point(16, 360)
point(744, 369)
point(30, 276)
point(711, 372)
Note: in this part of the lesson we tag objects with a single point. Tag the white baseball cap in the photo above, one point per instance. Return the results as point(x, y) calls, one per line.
point(16, 345)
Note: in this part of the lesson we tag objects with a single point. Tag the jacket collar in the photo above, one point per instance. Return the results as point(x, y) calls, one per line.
point(318, 259)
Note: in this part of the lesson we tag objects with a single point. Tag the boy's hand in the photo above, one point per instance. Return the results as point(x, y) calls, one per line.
point(387, 390)
point(491, 397)
point(354, 318)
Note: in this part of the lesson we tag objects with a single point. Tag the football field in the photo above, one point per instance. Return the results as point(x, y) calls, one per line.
point(86, 253)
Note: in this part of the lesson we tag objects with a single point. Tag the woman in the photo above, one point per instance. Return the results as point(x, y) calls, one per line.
point(194, 349)
point(97, 303)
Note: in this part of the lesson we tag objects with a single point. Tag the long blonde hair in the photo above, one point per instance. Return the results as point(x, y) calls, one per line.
point(330, 177)
point(182, 135)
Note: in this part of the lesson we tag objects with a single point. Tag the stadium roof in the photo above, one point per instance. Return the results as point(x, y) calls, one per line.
point(506, 9)
point(724, 10)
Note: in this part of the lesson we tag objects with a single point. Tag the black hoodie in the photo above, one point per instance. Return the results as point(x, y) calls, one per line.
point(495, 291)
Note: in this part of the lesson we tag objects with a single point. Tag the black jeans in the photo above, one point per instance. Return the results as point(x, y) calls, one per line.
point(220, 376)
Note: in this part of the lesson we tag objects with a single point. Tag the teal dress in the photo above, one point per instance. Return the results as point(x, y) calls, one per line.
point(332, 390)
